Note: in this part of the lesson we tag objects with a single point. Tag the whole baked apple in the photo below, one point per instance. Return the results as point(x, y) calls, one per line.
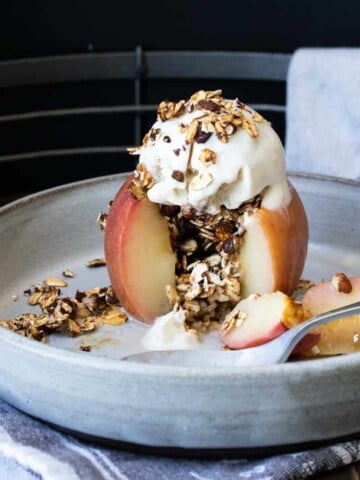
point(208, 217)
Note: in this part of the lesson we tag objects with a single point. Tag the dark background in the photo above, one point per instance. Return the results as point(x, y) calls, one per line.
point(38, 28)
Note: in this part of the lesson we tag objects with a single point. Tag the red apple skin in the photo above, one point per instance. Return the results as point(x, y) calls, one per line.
point(338, 337)
point(235, 343)
point(138, 254)
point(274, 251)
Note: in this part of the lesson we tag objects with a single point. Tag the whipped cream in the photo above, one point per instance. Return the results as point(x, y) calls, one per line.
point(236, 170)
point(168, 333)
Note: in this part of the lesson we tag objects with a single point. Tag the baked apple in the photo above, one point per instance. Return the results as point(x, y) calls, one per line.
point(208, 217)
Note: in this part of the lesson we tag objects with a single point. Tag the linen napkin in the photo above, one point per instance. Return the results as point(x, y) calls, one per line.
point(323, 112)
point(30, 450)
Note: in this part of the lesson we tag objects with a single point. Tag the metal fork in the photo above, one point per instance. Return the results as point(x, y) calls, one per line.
point(275, 351)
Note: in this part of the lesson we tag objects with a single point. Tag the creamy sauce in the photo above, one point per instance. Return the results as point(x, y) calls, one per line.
point(168, 332)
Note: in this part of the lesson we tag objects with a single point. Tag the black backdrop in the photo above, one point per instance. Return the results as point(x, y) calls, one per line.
point(46, 27)
point(39, 27)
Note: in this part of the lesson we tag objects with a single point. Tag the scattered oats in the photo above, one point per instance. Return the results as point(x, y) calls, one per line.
point(35, 298)
point(96, 262)
point(144, 177)
point(74, 316)
point(55, 282)
point(15, 298)
point(250, 127)
point(167, 110)
point(68, 273)
point(315, 350)
point(221, 132)
point(192, 131)
point(74, 328)
point(114, 316)
point(201, 181)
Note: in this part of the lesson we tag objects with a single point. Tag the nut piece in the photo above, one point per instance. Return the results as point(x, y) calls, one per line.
point(207, 156)
point(341, 283)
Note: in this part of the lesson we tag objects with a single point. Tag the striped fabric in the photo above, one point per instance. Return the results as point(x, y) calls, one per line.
point(30, 450)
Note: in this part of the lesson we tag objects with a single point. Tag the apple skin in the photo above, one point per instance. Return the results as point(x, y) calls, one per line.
point(138, 255)
point(274, 250)
point(340, 336)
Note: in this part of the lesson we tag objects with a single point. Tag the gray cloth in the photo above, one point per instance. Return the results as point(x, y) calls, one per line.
point(31, 450)
point(323, 113)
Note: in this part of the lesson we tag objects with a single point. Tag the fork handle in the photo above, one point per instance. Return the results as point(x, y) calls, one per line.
point(291, 338)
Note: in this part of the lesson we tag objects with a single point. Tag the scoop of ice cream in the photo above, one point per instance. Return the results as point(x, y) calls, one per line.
point(210, 152)
point(168, 332)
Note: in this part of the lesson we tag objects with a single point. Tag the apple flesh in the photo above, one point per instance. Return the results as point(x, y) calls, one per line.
point(138, 254)
point(341, 336)
point(259, 319)
point(273, 254)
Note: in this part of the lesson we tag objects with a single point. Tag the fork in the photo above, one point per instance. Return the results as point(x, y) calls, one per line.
point(275, 351)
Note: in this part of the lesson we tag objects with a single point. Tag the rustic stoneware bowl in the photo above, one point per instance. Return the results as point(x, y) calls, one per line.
point(97, 395)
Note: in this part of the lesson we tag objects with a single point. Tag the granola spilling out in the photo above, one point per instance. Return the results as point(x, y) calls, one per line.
point(74, 316)
point(207, 281)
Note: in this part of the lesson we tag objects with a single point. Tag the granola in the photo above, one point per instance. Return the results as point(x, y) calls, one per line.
point(207, 281)
point(82, 314)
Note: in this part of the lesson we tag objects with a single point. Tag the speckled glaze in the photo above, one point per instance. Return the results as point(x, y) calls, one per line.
point(171, 406)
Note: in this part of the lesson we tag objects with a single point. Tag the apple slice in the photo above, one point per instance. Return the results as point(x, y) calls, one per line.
point(258, 319)
point(138, 254)
point(341, 336)
point(273, 254)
